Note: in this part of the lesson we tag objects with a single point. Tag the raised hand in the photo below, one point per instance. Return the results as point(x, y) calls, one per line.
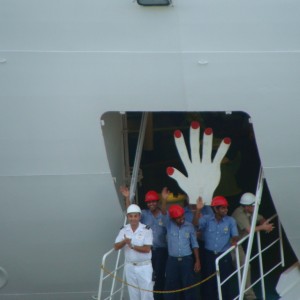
point(199, 203)
point(204, 173)
point(124, 191)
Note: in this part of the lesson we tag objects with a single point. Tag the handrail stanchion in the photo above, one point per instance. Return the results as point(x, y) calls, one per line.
point(281, 244)
point(261, 267)
point(238, 264)
point(218, 279)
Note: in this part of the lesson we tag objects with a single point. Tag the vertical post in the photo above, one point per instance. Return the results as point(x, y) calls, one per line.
point(261, 267)
point(281, 244)
point(238, 265)
point(259, 190)
point(138, 155)
point(219, 280)
point(126, 174)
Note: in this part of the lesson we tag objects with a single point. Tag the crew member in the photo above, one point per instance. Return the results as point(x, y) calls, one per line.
point(136, 238)
point(183, 249)
point(219, 233)
point(243, 216)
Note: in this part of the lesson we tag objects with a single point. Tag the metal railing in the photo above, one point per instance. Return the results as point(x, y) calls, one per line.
point(113, 269)
point(116, 289)
point(108, 278)
point(242, 271)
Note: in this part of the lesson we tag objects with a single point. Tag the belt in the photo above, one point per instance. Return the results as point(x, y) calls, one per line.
point(180, 258)
point(214, 252)
point(140, 263)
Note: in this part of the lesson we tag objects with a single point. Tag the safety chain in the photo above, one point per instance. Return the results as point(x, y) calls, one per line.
point(157, 292)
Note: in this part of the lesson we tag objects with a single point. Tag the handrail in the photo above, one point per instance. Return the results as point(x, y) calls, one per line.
point(118, 266)
point(113, 275)
point(252, 232)
point(250, 242)
point(263, 273)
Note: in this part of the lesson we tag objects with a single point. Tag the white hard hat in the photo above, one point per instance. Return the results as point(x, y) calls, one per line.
point(133, 208)
point(247, 199)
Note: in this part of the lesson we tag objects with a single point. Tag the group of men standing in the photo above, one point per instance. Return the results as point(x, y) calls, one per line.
point(162, 246)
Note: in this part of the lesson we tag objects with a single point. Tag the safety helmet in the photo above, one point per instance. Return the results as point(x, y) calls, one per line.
point(175, 211)
point(151, 196)
point(219, 201)
point(247, 199)
point(133, 208)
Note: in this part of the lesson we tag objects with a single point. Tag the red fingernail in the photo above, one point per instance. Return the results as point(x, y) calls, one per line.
point(170, 171)
point(177, 133)
point(208, 131)
point(227, 140)
point(195, 125)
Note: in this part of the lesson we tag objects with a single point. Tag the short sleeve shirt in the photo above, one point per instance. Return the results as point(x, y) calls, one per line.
point(217, 234)
point(142, 236)
point(181, 239)
point(158, 229)
point(243, 220)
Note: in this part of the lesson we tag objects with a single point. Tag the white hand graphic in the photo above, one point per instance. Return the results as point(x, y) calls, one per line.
point(203, 174)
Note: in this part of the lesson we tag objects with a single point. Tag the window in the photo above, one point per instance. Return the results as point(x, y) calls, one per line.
point(154, 2)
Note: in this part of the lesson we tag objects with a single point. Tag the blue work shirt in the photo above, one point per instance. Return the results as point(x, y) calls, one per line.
point(217, 235)
point(181, 239)
point(157, 225)
point(207, 210)
point(189, 215)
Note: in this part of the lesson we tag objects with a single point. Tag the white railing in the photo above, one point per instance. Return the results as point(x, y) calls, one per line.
point(242, 271)
point(116, 277)
point(111, 283)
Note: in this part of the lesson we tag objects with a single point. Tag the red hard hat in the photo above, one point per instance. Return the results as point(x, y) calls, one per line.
point(176, 211)
point(219, 201)
point(151, 196)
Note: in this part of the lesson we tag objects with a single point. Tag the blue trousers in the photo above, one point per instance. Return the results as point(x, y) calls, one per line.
point(180, 274)
point(159, 260)
point(209, 288)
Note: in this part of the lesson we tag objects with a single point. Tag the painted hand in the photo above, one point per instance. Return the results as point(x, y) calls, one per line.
point(203, 174)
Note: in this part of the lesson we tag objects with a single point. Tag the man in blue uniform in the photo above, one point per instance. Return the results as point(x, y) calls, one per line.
point(219, 233)
point(183, 259)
